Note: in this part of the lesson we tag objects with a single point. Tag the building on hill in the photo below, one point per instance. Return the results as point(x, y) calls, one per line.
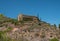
point(27, 18)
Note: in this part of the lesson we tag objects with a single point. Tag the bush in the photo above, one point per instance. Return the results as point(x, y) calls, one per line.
point(4, 37)
point(54, 39)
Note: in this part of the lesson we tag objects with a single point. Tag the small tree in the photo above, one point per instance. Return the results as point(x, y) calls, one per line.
point(55, 26)
point(59, 26)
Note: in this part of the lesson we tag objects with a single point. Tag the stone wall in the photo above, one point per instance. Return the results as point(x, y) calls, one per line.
point(22, 17)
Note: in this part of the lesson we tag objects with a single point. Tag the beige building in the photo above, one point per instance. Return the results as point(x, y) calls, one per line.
point(27, 18)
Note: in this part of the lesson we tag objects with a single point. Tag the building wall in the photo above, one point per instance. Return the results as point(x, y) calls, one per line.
point(27, 18)
point(20, 17)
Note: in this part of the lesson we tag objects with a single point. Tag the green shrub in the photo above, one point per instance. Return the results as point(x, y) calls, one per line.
point(54, 39)
point(8, 29)
point(4, 37)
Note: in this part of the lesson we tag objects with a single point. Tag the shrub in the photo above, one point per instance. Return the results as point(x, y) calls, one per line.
point(54, 39)
point(59, 26)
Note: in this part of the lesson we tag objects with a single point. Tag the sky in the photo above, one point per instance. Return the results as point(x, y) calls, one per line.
point(48, 10)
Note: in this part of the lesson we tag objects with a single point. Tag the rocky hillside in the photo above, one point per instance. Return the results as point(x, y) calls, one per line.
point(14, 30)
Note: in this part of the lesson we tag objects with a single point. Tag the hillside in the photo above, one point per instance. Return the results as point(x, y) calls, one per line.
point(32, 29)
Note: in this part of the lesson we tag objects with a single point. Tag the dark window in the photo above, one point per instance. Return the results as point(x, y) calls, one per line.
point(28, 19)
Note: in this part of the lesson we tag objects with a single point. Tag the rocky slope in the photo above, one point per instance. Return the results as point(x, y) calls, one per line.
point(27, 31)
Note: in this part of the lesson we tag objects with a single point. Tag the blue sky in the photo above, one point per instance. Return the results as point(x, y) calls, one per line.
point(49, 10)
